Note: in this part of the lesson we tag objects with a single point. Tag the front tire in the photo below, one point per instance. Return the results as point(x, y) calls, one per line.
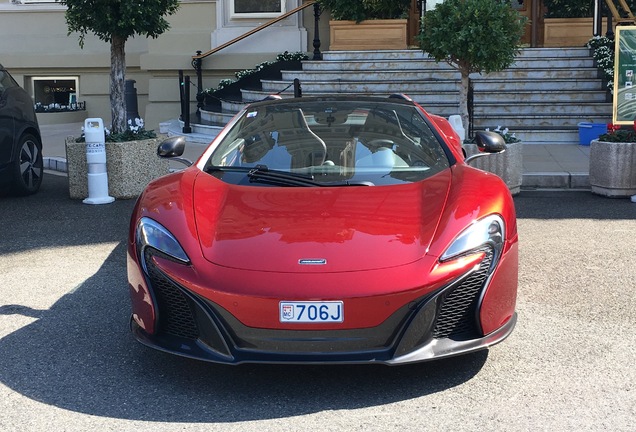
point(28, 168)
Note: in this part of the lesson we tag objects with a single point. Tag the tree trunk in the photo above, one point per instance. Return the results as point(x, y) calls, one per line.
point(117, 83)
point(463, 100)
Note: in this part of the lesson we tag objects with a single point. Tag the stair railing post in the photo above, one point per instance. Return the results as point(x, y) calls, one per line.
point(181, 101)
point(317, 12)
point(610, 27)
point(186, 103)
point(197, 63)
point(598, 19)
point(298, 90)
point(471, 107)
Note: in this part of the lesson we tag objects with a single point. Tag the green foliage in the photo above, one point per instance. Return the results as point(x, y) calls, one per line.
point(618, 133)
point(568, 8)
point(473, 35)
point(242, 74)
point(134, 132)
point(603, 51)
point(360, 10)
point(123, 18)
point(580, 8)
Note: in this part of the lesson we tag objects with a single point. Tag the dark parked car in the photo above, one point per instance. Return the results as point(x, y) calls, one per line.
point(21, 164)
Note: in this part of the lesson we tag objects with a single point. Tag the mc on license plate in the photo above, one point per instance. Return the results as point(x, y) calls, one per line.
point(311, 312)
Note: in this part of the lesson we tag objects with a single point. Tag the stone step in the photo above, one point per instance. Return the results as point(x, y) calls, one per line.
point(452, 96)
point(433, 86)
point(418, 54)
point(538, 121)
point(429, 64)
point(220, 118)
point(488, 108)
point(576, 109)
point(558, 84)
point(546, 73)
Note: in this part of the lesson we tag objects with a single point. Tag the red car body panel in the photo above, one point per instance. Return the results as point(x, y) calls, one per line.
point(378, 292)
point(236, 228)
point(381, 245)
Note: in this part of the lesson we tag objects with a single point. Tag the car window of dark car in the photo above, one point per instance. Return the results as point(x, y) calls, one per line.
point(380, 143)
point(6, 81)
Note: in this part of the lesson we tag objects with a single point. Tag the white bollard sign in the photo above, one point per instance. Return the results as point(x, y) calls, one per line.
point(96, 160)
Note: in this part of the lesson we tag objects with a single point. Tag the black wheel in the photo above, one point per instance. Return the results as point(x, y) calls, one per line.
point(28, 166)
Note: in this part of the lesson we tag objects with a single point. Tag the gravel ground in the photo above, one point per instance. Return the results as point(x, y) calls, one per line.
point(69, 363)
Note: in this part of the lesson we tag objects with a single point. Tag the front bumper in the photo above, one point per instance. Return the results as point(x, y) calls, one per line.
point(439, 324)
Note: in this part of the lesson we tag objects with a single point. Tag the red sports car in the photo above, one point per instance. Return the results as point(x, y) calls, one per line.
point(325, 230)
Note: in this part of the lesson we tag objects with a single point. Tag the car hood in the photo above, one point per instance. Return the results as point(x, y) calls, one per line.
point(309, 229)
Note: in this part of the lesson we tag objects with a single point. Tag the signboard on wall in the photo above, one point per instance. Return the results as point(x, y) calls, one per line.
point(624, 76)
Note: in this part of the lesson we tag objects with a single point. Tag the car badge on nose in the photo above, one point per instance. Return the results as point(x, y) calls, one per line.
point(312, 261)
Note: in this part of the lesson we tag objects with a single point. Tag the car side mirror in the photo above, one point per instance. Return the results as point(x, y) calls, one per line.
point(173, 148)
point(487, 143)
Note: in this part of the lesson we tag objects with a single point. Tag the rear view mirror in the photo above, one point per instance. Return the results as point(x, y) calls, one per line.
point(490, 142)
point(487, 143)
point(173, 148)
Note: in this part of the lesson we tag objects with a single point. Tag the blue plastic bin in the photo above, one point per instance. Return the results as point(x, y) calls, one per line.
point(590, 131)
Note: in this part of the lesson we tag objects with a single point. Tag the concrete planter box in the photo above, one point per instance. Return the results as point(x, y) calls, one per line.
point(130, 165)
point(507, 165)
point(368, 35)
point(613, 168)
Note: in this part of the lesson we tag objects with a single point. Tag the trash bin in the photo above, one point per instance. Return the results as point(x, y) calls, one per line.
point(590, 131)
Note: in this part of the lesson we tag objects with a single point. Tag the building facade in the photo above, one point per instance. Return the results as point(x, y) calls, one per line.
point(69, 84)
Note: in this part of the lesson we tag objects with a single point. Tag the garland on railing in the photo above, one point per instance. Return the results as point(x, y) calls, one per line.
point(286, 56)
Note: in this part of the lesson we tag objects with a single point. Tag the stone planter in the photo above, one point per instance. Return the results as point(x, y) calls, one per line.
point(613, 168)
point(130, 165)
point(368, 35)
point(507, 165)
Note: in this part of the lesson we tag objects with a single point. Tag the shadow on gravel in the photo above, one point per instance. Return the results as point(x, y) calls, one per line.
point(79, 355)
point(51, 219)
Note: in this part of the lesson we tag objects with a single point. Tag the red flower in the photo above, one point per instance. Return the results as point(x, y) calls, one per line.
point(611, 128)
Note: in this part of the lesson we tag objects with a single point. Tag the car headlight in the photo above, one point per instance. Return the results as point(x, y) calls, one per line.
point(487, 231)
point(152, 234)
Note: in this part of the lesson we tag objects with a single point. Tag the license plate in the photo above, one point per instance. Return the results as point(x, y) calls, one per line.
point(312, 312)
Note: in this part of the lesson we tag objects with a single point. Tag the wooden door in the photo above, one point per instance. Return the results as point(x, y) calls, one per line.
point(413, 26)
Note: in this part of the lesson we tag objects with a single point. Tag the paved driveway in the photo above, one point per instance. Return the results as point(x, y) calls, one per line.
point(68, 362)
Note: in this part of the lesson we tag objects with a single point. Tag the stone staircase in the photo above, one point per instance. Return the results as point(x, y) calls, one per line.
point(541, 98)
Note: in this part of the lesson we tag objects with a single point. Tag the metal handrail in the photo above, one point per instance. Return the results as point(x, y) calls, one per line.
point(197, 60)
point(201, 56)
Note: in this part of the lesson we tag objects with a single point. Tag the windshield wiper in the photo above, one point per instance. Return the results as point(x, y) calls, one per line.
point(262, 174)
point(349, 183)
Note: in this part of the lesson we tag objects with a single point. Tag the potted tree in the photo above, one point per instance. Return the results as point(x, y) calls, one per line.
point(451, 33)
point(131, 164)
point(367, 24)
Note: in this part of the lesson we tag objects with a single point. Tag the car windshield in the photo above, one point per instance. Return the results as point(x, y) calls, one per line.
point(331, 142)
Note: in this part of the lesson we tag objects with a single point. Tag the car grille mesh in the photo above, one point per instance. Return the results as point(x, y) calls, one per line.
point(175, 314)
point(457, 316)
